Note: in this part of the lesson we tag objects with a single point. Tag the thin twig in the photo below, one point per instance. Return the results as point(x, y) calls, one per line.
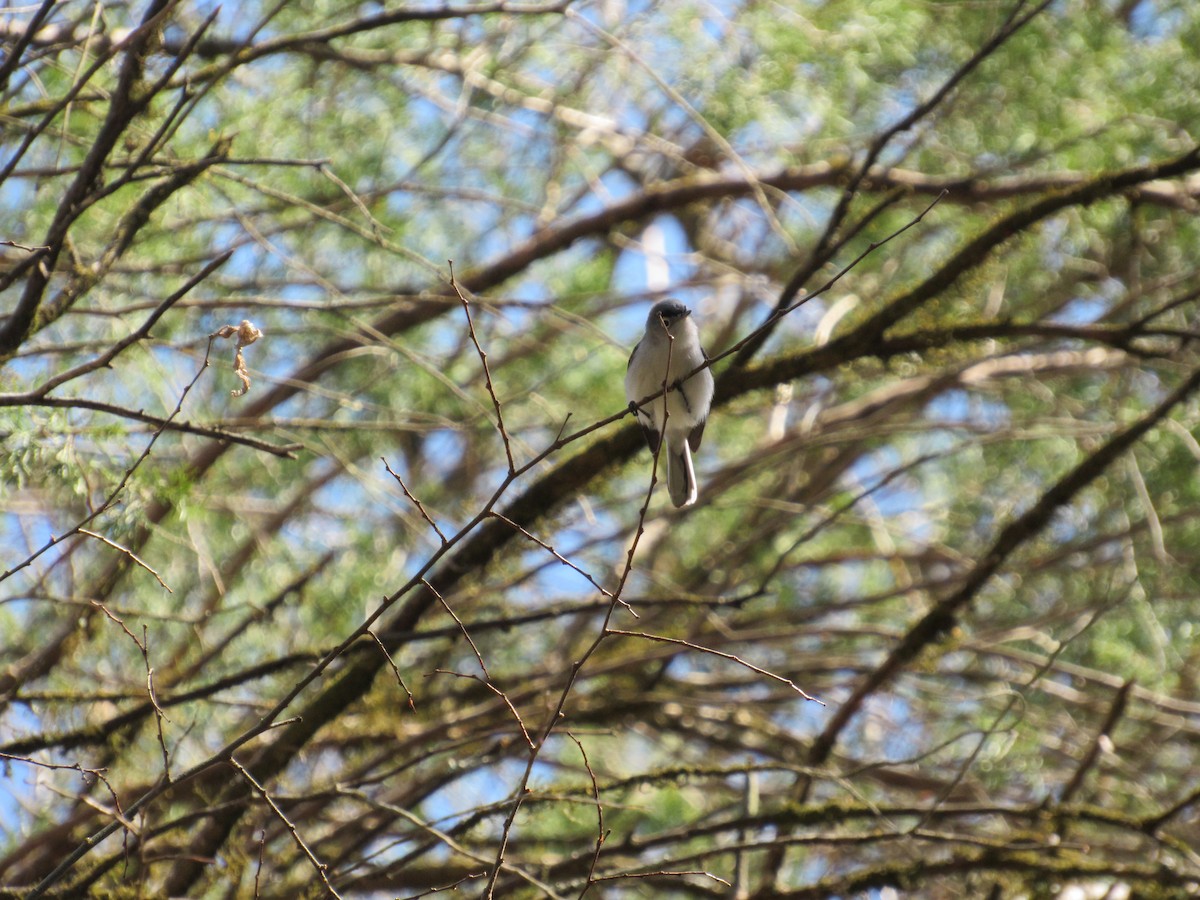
point(459, 623)
point(129, 553)
point(601, 834)
point(562, 427)
point(25, 247)
point(395, 669)
point(558, 556)
point(778, 314)
point(664, 873)
point(409, 494)
point(159, 715)
point(262, 846)
point(325, 169)
point(104, 360)
point(487, 683)
point(86, 772)
point(322, 868)
point(709, 650)
point(713, 134)
point(452, 886)
point(447, 839)
point(144, 648)
point(487, 372)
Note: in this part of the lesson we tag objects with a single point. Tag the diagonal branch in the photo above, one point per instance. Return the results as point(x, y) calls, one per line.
point(826, 244)
point(125, 104)
point(944, 615)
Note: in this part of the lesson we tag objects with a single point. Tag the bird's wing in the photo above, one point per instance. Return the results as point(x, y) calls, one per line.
point(636, 348)
point(644, 418)
point(697, 433)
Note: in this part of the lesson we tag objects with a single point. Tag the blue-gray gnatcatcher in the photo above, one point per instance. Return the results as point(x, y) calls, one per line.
point(667, 352)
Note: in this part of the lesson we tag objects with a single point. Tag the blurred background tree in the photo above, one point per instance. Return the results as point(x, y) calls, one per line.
point(404, 617)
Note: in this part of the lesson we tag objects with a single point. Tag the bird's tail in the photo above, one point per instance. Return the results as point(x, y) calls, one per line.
point(681, 477)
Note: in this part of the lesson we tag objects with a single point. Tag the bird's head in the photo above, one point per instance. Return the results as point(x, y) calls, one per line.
point(665, 313)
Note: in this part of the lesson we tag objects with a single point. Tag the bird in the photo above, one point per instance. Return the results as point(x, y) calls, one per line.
point(668, 351)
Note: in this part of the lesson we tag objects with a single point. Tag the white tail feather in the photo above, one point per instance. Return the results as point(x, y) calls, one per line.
point(681, 477)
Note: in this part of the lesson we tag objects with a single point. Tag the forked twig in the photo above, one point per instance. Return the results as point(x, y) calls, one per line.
point(86, 772)
point(144, 647)
point(601, 834)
